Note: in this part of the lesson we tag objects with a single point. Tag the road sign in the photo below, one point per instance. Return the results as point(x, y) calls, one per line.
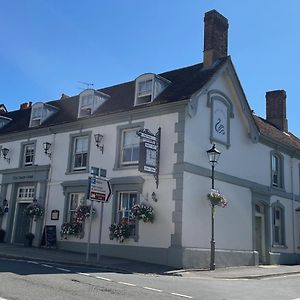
point(100, 189)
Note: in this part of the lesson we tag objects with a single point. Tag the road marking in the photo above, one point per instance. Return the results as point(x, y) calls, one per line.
point(84, 274)
point(64, 270)
point(47, 266)
point(152, 289)
point(103, 278)
point(31, 262)
point(2, 298)
point(181, 295)
point(125, 283)
point(296, 299)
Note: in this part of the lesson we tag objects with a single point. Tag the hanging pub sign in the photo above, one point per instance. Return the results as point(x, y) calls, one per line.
point(149, 152)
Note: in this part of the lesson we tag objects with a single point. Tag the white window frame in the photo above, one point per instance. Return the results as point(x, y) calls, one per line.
point(126, 214)
point(71, 211)
point(30, 163)
point(278, 217)
point(123, 148)
point(26, 193)
point(148, 83)
point(277, 169)
point(37, 114)
point(144, 95)
point(79, 168)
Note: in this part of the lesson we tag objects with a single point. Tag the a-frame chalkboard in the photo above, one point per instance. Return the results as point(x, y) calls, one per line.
point(49, 236)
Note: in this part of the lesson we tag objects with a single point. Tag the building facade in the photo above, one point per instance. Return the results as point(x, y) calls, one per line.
point(49, 149)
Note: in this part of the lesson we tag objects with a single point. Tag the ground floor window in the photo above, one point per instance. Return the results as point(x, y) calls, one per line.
point(26, 192)
point(126, 200)
point(278, 225)
point(75, 200)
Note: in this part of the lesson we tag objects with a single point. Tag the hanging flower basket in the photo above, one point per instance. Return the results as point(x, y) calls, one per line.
point(71, 229)
point(34, 210)
point(121, 231)
point(83, 212)
point(143, 212)
point(217, 199)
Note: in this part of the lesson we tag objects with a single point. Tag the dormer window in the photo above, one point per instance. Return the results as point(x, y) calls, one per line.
point(36, 119)
point(145, 89)
point(40, 112)
point(89, 101)
point(4, 121)
point(148, 87)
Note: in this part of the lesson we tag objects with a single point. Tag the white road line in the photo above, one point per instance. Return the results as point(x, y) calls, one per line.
point(125, 283)
point(181, 295)
point(103, 278)
point(84, 274)
point(31, 262)
point(2, 298)
point(64, 270)
point(47, 266)
point(152, 289)
point(292, 299)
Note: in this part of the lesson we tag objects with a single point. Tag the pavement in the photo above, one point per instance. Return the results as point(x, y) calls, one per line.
point(121, 265)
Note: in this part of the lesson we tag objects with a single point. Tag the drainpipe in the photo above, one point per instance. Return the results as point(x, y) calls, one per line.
point(293, 203)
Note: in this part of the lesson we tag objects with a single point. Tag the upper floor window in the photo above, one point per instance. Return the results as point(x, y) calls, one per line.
point(276, 170)
point(130, 147)
point(148, 87)
point(40, 112)
point(89, 101)
point(80, 152)
point(28, 154)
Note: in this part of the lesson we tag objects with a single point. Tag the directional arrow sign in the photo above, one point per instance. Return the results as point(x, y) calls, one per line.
point(100, 189)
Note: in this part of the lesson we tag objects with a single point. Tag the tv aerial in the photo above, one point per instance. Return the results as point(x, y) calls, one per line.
point(88, 85)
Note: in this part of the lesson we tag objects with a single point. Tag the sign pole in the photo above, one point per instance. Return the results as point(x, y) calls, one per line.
point(89, 234)
point(100, 231)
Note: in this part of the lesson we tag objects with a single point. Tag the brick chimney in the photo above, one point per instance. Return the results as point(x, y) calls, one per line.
point(215, 37)
point(276, 109)
point(25, 105)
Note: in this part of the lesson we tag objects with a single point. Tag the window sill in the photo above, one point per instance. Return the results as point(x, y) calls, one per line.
point(128, 167)
point(277, 188)
point(279, 246)
point(72, 172)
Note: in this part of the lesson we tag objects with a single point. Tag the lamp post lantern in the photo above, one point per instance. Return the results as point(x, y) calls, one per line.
point(213, 157)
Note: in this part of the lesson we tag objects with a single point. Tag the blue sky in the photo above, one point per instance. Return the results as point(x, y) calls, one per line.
point(47, 47)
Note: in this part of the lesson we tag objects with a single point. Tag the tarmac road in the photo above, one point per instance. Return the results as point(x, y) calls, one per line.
point(24, 279)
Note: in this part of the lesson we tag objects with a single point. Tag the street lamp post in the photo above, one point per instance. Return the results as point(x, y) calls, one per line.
point(213, 156)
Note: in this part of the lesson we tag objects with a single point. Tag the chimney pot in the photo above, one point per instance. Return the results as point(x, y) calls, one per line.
point(276, 109)
point(215, 37)
point(24, 106)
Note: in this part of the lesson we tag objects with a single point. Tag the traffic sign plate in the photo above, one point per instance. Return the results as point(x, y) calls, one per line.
point(100, 189)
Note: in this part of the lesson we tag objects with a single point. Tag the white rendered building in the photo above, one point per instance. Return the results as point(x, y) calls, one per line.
point(194, 107)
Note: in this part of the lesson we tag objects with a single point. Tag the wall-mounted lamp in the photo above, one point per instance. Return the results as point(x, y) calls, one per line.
point(98, 139)
point(153, 197)
point(4, 152)
point(47, 147)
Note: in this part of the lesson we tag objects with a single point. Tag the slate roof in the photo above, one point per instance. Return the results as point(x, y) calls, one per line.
point(184, 83)
point(270, 131)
